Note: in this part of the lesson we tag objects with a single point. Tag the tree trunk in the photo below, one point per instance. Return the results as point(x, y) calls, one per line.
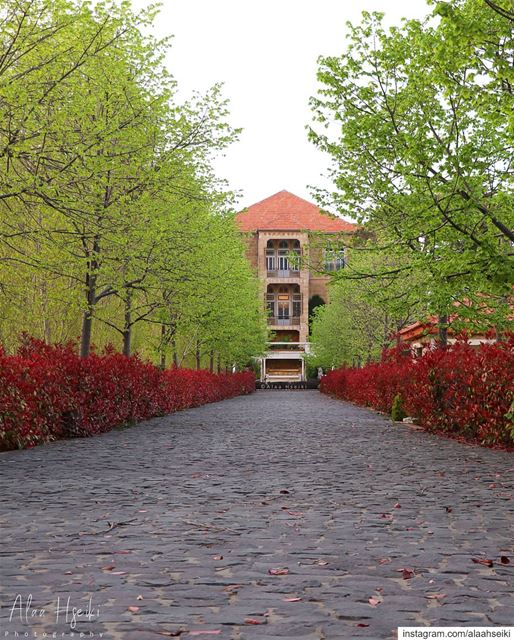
point(127, 326)
point(211, 362)
point(163, 347)
point(85, 338)
point(443, 331)
point(162, 362)
point(127, 340)
point(87, 318)
point(175, 356)
point(219, 363)
point(47, 330)
point(198, 356)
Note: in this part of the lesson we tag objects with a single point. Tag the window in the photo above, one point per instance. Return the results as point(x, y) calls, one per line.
point(295, 255)
point(283, 309)
point(270, 256)
point(270, 304)
point(283, 251)
point(334, 259)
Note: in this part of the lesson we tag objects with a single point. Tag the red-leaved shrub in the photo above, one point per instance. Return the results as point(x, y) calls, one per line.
point(462, 390)
point(48, 392)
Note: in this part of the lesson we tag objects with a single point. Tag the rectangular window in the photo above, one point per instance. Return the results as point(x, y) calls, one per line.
point(283, 264)
point(334, 259)
point(283, 310)
point(270, 304)
point(297, 305)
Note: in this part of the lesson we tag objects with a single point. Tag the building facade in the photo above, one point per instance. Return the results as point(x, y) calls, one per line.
point(292, 245)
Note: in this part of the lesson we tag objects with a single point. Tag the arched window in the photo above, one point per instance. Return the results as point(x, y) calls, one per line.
point(270, 256)
point(283, 244)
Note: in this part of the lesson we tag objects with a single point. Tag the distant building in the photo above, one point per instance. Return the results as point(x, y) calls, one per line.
point(291, 244)
point(423, 336)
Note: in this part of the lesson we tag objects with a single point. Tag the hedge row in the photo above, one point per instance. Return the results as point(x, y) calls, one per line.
point(48, 392)
point(461, 391)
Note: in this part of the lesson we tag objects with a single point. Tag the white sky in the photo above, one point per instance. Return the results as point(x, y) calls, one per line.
point(265, 53)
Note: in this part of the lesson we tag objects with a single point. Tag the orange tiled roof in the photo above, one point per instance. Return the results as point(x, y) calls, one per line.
point(284, 211)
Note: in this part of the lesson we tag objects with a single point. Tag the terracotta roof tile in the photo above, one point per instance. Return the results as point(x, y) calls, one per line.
point(284, 211)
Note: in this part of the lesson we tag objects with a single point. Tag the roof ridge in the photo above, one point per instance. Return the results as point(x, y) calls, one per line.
point(286, 210)
point(289, 193)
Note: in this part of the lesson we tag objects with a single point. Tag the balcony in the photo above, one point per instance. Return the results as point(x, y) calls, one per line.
point(287, 349)
point(283, 322)
point(283, 273)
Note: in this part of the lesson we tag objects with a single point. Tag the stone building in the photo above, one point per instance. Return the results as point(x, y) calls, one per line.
point(292, 245)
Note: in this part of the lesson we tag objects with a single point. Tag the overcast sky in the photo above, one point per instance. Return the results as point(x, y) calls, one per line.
point(265, 53)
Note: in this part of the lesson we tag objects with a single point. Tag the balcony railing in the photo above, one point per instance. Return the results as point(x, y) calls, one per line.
point(275, 348)
point(284, 322)
point(284, 273)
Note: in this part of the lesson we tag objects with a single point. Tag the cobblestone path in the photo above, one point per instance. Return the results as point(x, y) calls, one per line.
point(172, 527)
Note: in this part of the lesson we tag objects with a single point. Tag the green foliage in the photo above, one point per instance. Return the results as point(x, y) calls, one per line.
point(368, 305)
point(112, 223)
point(397, 412)
point(315, 301)
point(418, 121)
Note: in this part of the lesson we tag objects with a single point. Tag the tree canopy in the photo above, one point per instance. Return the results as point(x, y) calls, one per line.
point(418, 122)
point(112, 222)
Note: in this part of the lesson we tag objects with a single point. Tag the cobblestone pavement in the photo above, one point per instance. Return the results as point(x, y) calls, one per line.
point(172, 527)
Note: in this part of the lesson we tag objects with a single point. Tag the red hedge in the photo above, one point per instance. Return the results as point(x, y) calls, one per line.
point(48, 392)
point(462, 391)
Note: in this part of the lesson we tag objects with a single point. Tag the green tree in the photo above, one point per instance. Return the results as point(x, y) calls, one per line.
point(109, 207)
point(418, 123)
point(368, 306)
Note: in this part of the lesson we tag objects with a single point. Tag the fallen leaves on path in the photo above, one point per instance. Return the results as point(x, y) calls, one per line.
point(291, 599)
point(485, 561)
point(407, 573)
point(278, 572)
point(374, 602)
